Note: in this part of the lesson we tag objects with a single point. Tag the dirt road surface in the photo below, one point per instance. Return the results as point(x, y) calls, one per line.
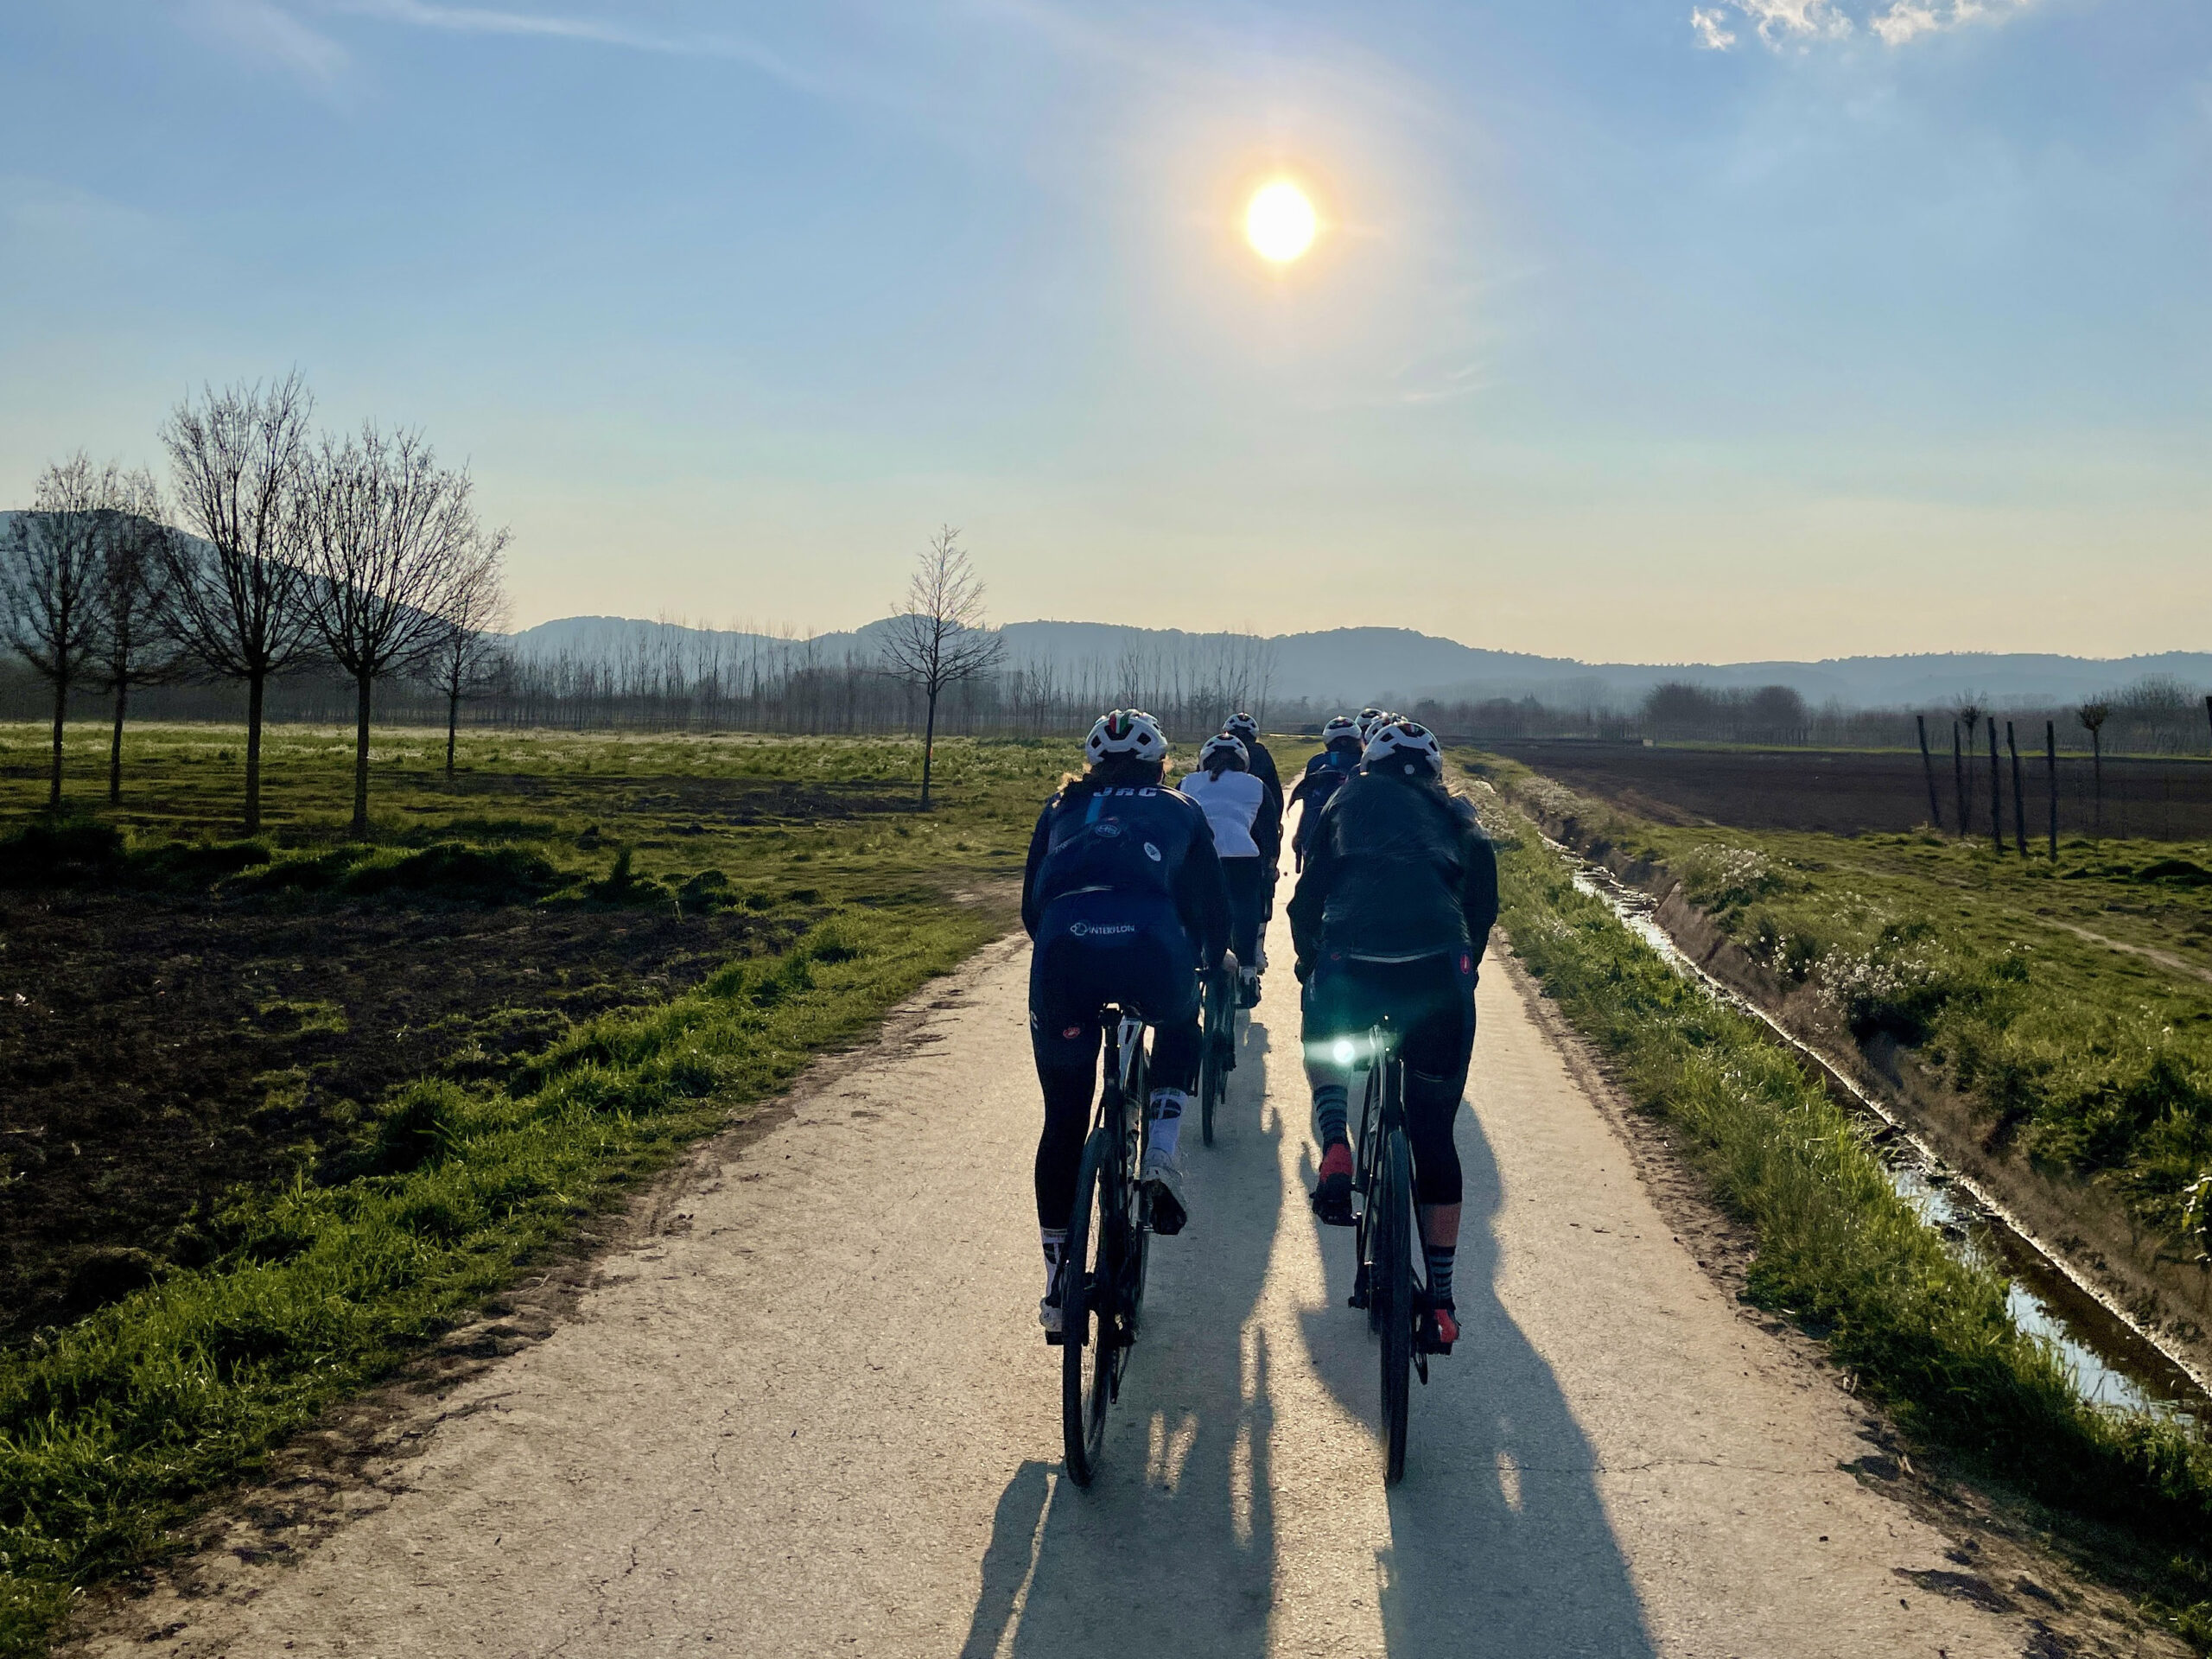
point(812, 1414)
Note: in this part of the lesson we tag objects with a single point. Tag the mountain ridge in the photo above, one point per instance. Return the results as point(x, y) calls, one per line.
point(1355, 665)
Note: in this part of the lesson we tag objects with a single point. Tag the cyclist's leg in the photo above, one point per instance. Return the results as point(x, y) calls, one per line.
point(1064, 1036)
point(1334, 1008)
point(1168, 993)
point(1439, 1042)
point(1242, 877)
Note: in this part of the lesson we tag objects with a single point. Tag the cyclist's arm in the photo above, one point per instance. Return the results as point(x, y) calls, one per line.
point(1039, 839)
point(1310, 898)
point(1478, 889)
point(1202, 894)
point(1267, 828)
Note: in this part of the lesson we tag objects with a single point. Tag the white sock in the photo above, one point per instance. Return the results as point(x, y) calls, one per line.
point(1055, 1240)
point(1167, 1106)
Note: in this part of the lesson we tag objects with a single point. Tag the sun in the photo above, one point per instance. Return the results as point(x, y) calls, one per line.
point(1279, 223)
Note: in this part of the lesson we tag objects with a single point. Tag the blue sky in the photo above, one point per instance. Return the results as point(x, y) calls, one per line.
point(1635, 329)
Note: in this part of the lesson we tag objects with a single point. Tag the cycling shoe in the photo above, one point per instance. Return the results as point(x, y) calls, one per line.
point(1332, 1197)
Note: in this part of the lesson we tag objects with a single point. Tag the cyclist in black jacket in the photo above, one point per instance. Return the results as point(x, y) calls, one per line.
point(1391, 914)
point(1341, 746)
point(1123, 896)
point(1257, 760)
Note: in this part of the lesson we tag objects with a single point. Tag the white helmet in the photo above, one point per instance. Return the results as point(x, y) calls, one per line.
point(1339, 728)
point(1240, 724)
point(1225, 745)
point(1367, 719)
point(1403, 744)
point(1126, 731)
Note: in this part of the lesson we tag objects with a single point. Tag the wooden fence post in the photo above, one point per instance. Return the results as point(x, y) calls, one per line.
point(2020, 798)
point(1927, 768)
point(1959, 777)
point(2050, 767)
point(1996, 793)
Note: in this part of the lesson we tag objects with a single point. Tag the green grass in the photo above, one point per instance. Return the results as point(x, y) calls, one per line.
point(1925, 1331)
point(114, 1428)
point(2095, 1056)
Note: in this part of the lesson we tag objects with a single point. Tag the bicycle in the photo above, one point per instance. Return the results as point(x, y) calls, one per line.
point(1218, 1037)
point(1387, 1283)
point(1101, 1290)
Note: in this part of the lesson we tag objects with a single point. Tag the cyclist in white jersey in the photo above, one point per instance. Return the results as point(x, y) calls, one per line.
point(1248, 835)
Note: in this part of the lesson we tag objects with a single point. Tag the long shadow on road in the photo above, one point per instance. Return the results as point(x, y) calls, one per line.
point(1499, 1541)
point(1172, 1550)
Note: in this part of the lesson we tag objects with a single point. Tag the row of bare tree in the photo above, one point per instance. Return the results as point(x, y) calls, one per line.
point(358, 552)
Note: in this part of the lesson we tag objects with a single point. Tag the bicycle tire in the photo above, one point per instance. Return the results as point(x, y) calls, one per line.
point(1394, 1252)
point(1091, 1346)
point(1137, 1095)
point(1366, 1183)
point(1212, 1080)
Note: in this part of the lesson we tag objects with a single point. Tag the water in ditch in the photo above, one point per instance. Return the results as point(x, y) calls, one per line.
point(2112, 1363)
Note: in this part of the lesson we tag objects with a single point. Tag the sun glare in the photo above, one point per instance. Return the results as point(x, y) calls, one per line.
point(1279, 223)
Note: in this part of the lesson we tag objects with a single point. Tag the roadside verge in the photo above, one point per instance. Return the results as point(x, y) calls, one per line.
point(1842, 1253)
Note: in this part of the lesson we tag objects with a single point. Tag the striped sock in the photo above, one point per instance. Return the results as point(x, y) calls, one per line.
point(1440, 1272)
point(1331, 1107)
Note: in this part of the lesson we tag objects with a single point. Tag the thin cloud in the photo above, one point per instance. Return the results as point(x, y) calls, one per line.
point(263, 30)
point(1712, 31)
point(589, 31)
point(1800, 22)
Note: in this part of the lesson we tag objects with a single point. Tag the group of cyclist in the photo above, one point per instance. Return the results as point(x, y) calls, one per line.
point(1134, 888)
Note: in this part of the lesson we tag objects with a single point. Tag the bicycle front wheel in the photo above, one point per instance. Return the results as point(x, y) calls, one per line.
point(1090, 1322)
point(1394, 1274)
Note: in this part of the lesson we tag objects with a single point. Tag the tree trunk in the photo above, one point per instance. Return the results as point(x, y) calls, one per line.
point(1996, 792)
point(2097, 778)
point(256, 683)
point(60, 716)
point(928, 750)
point(453, 725)
point(1959, 777)
point(115, 747)
point(2050, 770)
point(1928, 767)
point(363, 684)
point(2019, 797)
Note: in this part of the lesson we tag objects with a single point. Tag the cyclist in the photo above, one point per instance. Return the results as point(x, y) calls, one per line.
point(1390, 916)
point(1246, 730)
point(1341, 744)
point(1122, 895)
point(1257, 760)
point(1368, 718)
point(1248, 835)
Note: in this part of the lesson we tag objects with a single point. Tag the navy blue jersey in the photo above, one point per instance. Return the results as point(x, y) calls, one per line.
point(1144, 848)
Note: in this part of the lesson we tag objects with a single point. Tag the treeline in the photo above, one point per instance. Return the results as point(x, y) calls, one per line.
point(277, 555)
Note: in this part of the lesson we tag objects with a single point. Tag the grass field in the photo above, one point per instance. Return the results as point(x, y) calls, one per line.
point(1919, 1327)
point(277, 1112)
point(2072, 1001)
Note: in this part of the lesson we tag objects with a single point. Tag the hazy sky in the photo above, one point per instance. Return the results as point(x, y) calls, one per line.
point(1635, 329)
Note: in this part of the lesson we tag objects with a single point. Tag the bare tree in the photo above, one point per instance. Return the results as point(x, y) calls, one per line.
point(239, 599)
point(389, 537)
point(937, 639)
point(2092, 717)
point(135, 646)
point(50, 582)
point(466, 658)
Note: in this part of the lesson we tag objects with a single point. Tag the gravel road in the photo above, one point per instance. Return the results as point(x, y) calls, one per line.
point(811, 1413)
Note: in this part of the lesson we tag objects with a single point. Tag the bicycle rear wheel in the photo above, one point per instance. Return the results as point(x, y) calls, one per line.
point(1213, 1063)
point(1393, 1295)
point(1090, 1341)
point(1366, 1183)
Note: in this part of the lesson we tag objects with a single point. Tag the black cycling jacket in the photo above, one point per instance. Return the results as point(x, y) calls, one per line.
point(1395, 869)
point(1262, 764)
point(1324, 773)
point(1137, 841)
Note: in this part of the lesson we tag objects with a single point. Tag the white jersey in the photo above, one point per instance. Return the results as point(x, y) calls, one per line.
point(1231, 801)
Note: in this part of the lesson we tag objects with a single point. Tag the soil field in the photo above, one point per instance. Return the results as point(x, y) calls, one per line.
point(158, 1052)
point(1849, 792)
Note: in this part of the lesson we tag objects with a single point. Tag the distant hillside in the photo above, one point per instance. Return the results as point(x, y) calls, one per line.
point(1357, 665)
